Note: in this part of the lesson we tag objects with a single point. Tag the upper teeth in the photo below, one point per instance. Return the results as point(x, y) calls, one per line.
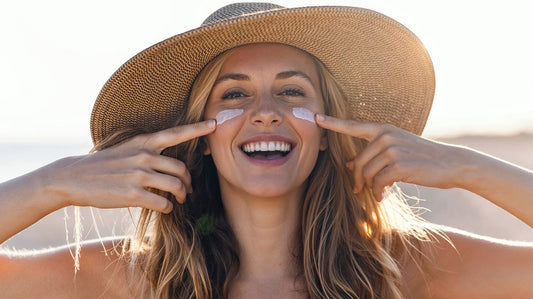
point(266, 146)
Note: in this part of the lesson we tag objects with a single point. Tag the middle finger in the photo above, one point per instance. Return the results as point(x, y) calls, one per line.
point(373, 149)
point(166, 165)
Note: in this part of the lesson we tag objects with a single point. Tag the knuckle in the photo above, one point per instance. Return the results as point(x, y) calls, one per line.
point(387, 137)
point(139, 139)
point(383, 180)
point(179, 165)
point(388, 128)
point(367, 174)
point(143, 157)
point(358, 161)
point(133, 194)
point(174, 132)
point(178, 187)
point(390, 140)
point(393, 152)
point(163, 205)
point(159, 204)
point(378, 184)
point(138, 175)
point(398, 167)
point(382, 140)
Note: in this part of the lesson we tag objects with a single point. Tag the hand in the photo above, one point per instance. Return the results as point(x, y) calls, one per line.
point(120, 175)
point(395, 155)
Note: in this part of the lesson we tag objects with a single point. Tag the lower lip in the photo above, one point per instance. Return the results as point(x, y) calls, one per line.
point(269, 162)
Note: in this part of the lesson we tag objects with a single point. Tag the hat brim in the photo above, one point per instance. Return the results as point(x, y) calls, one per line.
point(383, 68)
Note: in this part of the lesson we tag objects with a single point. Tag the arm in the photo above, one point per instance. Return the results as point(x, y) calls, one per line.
point(50, 274)
point(23, 201)
point(473, 267)
point(506, 185)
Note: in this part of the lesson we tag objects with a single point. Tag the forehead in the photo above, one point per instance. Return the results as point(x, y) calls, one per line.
point(267, 57)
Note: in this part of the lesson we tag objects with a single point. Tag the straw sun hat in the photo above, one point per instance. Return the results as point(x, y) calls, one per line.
point(383, 68)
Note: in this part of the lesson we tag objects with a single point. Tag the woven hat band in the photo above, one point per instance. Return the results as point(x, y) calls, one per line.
point(238, 10)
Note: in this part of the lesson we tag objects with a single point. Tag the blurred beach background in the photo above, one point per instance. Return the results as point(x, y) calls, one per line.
point(56, 56)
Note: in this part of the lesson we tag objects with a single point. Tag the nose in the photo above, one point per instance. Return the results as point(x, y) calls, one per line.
point(265, 113)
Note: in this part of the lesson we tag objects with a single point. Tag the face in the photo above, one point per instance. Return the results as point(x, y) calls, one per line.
point(265, 145)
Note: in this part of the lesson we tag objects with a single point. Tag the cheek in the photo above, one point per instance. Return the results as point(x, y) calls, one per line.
point(304, 113)
point(305, 118)
point(228, 122)
point(227, 114)
point(215, 142)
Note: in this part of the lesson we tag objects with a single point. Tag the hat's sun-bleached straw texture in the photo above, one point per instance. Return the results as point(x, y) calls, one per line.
point(383, 68)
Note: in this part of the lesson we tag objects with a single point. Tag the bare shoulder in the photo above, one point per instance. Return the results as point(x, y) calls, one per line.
point(458, 264)
point(103, 272)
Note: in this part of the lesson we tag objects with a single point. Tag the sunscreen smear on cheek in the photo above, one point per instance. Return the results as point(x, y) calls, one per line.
point(304, 114)
point(228, 114)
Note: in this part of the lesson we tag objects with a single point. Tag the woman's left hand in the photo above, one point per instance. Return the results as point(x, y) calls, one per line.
point(395, 155)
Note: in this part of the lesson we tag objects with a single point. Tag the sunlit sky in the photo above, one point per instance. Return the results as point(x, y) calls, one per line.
point(56, 55)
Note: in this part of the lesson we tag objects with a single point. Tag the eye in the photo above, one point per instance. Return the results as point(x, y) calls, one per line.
point(233, 94)
point(292, 92)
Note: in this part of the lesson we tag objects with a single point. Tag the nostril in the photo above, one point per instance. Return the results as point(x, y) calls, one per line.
point(266, 117)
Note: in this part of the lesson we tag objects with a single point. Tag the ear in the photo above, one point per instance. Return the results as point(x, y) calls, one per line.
point(207, 150)
point(324, 141)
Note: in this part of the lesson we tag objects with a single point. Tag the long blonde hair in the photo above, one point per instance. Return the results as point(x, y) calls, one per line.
point(350, 244)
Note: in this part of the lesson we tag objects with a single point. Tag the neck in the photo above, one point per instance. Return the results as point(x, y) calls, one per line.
point(267, 233)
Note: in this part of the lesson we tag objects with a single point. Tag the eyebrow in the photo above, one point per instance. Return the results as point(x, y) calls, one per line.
point(279, 76)
point(232, 76)
point(289, 74)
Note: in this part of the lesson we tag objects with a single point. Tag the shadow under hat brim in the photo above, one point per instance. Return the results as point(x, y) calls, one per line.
point(383, 68)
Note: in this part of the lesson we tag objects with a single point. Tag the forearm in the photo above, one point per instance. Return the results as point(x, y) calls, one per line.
point(504, 184)
point(23, 201)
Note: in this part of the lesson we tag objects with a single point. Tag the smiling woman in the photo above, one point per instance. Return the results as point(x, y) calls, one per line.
point(261, 148)
point(267, 81)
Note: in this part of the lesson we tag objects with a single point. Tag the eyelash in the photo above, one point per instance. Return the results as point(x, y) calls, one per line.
point(292, 92)
point(289, 92)
point(234, 94)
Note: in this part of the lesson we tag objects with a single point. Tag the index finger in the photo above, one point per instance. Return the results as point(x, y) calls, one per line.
point(179, 134)
point(359, 129)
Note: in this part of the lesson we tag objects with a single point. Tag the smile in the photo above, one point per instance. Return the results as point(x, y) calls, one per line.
point(266, 149)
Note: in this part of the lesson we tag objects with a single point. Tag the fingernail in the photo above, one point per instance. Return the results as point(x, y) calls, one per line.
point(211, 124)
point(383, 195)
point(320, 117)
point(350, 165)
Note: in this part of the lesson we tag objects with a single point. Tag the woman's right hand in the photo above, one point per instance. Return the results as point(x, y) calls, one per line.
point(115, 177)
point(119, 176)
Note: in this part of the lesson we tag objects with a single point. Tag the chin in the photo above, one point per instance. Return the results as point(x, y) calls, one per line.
point(271, 188)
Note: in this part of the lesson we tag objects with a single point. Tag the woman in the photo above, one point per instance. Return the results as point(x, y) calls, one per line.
point(259, 148)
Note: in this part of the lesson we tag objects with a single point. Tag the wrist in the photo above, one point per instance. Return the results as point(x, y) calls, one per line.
point(50, 193)
point(469, 168)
